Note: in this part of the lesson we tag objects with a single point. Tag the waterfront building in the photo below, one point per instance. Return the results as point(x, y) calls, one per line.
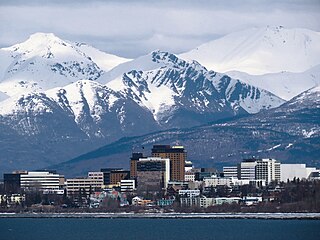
point(165, 202)
point(206, 202)
point(190, 201)
point(228, 200)
point(177, 156)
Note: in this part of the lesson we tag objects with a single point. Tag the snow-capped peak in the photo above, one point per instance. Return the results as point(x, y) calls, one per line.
point(260, 51)
point(45, 61)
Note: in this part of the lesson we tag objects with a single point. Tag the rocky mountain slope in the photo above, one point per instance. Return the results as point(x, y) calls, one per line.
point(290, 133)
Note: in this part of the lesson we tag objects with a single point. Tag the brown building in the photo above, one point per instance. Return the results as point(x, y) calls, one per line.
point(117, 175)
point(114, 175)
point(133, 164)
point(177, 156)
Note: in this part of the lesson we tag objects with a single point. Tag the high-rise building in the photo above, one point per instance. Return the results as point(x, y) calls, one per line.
point(268, 170)
point(112, 176)
point(153, 174)
point(133, 164)
point(177, 156)
point(260, 169)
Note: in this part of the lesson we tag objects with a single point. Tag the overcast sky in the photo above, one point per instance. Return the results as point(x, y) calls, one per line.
point(131, 28)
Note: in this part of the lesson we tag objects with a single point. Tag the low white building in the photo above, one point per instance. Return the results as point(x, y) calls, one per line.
point(40, 181)
point(74, 185)
point(247, 200)
point(226, 200)
point(189, 193)
point(217, 181)
point(127, 185)
point(189, 176)
point(291, 171)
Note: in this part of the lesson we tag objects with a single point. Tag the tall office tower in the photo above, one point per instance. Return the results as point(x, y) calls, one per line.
point(133, 164)
point(268, 170)
point(177, 156)
point(153, 174)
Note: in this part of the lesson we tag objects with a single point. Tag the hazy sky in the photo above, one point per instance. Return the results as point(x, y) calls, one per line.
point(132, 28)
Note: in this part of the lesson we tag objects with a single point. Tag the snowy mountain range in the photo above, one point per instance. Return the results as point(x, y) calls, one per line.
point(57, 95)
point(282, 61)
point(259, 51)
point(44, 61)
point(290, 133)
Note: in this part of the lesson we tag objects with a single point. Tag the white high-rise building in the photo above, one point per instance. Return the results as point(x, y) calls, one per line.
point(268, 170)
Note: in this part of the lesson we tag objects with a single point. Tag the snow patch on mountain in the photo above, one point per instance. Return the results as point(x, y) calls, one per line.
point(84, 97)
point(260, 50)
point(284, 84)
point(104, 60)
point(3, 96)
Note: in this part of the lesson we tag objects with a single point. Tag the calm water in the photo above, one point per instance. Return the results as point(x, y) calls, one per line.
point(153, 229)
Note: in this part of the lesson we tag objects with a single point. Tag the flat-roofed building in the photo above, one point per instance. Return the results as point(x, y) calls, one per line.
point(128, 185)
point(247, 169)
point(291, 171)
point(231, 171)
point(177, 156)
point(40, 181)
point(11, 183)
point(153, 174)
point(113, 176)
point(268, 169)
point(133, 164)
point(74, 185)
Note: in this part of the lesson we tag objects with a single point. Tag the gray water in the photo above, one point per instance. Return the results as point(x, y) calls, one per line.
point(154, 229)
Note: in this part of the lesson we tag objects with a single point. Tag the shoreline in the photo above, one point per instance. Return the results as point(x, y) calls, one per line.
point(271, 216)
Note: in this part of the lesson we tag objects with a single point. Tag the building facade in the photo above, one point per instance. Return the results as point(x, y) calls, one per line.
point(177, 156)
point(75, 185)
point(153, 174)
point(40, 181)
